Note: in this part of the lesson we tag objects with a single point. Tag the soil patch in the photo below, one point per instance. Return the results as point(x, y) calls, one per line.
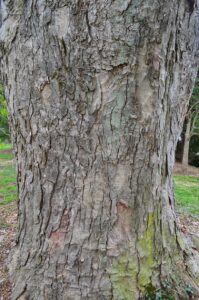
point(179, 169)
point(6, 152)
point(8, 217)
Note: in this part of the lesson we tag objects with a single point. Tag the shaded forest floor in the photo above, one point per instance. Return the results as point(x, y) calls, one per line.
point(187, 202)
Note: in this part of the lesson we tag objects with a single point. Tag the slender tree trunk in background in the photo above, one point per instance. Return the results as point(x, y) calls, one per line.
point(97, 94)
point(187, 138)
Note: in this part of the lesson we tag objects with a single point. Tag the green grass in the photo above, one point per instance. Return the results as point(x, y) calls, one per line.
point(5, 151)
point(8, 190)
point(187, 194)
point(6, 156)
point(4, 146)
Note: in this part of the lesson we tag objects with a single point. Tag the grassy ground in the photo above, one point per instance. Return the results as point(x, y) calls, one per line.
point(187, 194)
point(7, 175)
point(4, 146)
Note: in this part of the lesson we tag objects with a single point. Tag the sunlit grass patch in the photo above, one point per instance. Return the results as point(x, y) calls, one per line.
point(6, 156)
point(8, 190)
point(187, 194)
point(4, 146)
point(6, 152)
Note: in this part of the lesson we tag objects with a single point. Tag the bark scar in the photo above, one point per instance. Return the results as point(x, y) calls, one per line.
point(121, 232)
point(57, 237)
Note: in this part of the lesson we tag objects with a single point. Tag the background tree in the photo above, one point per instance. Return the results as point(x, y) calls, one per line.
point(97, 93)
point(194, 151)
point(188, 146)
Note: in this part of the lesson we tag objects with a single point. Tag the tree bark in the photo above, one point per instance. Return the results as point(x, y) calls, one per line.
point(185, 157)
point(97, 94)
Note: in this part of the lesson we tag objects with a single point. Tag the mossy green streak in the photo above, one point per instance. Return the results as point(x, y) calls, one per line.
point(145, 248)
point(123, 278)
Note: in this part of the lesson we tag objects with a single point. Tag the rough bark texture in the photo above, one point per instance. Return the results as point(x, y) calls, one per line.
point(97, 94)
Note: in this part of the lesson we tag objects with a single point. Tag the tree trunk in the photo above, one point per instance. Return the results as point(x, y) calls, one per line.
point(97, 94)
point(185, 157)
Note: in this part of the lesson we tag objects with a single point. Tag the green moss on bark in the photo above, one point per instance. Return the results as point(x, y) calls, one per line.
point(123, 278)
point(145, 248)
point(132, 273)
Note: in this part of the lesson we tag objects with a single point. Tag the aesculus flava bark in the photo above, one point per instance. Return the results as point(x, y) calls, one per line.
point(97, 94)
